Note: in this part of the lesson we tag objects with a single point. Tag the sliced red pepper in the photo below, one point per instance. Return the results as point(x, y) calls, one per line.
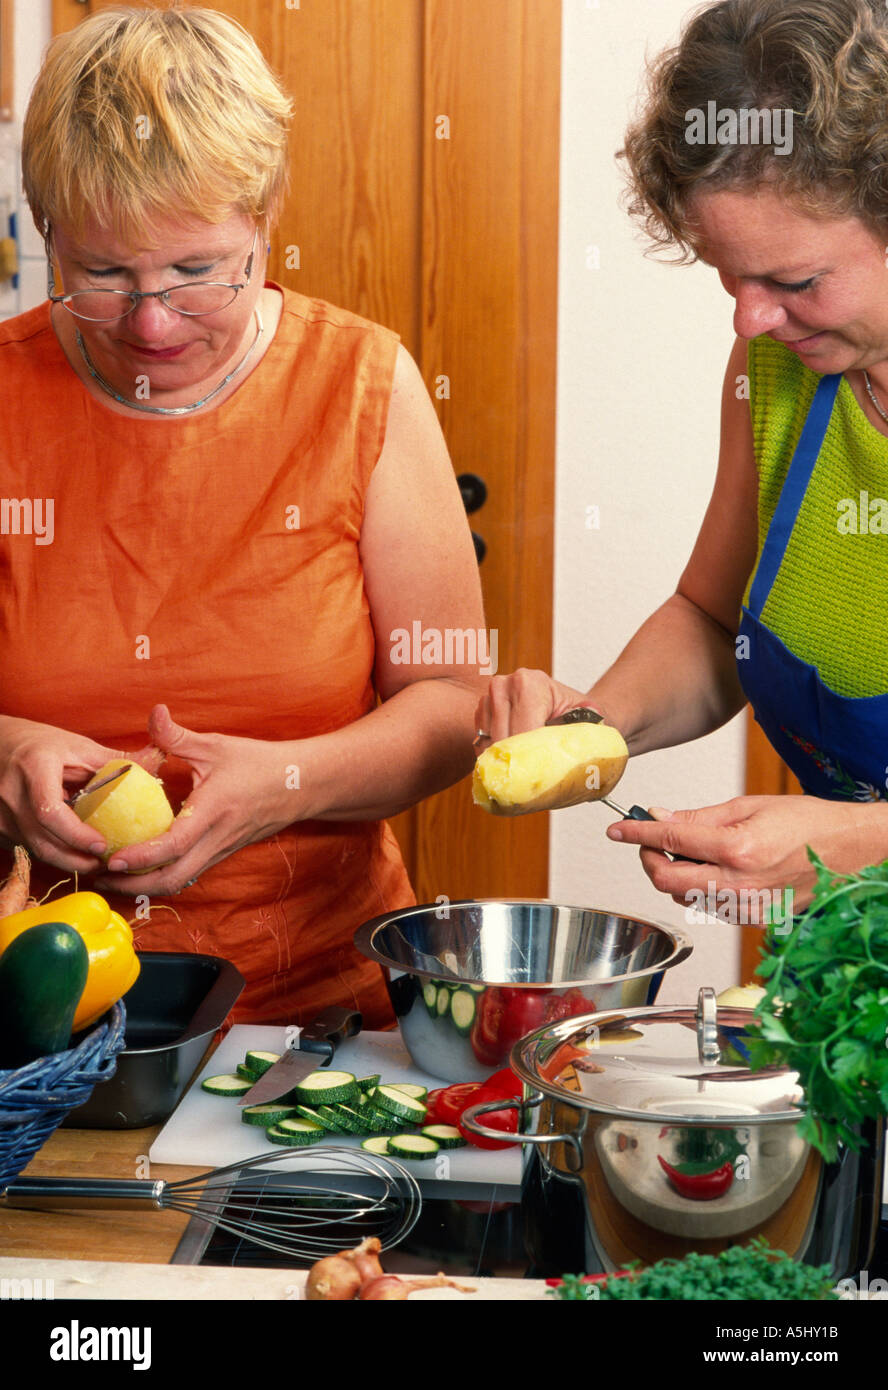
point(504, 1083)
point(505, 1014)
point(568, 1005)
point(701, 1187)
point(452, 1101)
point(431, 1104)
point(446, 1105)
point(505, 1120)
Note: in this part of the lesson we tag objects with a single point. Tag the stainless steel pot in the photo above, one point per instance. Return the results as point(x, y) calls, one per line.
point(468, 979)
point(646, 1135)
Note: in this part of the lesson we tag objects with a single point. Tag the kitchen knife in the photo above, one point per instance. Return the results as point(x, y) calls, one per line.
point(112, 777)
point(319, 1039)
point(591, 716)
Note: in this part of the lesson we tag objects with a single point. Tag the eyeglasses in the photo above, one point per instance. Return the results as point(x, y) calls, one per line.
point(103, 306)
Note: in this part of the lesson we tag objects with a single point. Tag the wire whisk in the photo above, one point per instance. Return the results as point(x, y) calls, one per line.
point(256, 1200)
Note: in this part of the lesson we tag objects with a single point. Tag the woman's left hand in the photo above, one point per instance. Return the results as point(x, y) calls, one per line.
point(755, 844)
point(243, 790)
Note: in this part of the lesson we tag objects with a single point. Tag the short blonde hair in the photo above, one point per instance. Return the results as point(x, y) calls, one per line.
point(824, 60)
point(137, 113)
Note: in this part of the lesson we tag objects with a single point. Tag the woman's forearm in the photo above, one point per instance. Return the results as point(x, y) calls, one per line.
point(675, 681)
point(415, 744)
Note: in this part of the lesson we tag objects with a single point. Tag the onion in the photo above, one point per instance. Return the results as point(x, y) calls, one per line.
point(390, 1286)
point(366, 1259)
point(386, 1286)
point(335, 1278)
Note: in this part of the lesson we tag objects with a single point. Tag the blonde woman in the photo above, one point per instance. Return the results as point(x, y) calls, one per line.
point(783, 600)
point(250, 495)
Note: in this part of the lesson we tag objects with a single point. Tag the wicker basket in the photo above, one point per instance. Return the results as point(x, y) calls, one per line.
point(36, 1098)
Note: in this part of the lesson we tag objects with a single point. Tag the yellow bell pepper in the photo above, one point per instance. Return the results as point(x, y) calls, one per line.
point(113, 963)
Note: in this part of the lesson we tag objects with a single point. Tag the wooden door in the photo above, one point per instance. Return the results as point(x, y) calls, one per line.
point(424, 196)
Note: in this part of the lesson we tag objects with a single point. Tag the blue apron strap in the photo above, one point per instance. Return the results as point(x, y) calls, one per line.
point(792, 494)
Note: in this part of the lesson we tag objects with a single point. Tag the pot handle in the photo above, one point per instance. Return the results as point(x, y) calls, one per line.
point(470, 1114)
point(707, 1027)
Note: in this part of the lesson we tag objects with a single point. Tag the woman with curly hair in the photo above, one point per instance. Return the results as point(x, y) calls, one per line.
point(762, 150)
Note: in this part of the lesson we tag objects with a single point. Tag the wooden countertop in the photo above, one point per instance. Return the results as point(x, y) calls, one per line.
point(148, 1237)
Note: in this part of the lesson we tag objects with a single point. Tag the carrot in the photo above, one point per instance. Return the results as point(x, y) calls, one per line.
point(14, 892)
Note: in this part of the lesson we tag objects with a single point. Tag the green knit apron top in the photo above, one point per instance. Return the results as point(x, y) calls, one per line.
point(829, 602)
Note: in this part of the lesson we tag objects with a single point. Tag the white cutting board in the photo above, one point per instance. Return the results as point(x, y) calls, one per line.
point(207, 1130)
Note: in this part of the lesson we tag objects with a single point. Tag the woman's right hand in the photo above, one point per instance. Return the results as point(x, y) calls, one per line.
point(39, 766)
point(522, 701)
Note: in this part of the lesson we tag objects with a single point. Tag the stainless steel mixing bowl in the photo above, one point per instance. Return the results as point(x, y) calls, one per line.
point(468, 979)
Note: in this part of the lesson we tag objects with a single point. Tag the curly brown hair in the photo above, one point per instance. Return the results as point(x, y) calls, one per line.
point(826, 61)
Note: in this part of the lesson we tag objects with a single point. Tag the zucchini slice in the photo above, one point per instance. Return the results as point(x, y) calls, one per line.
point(259, 1062)
point(399, 1104)
point(462, 1010)
point(267, 1114)
point(377, 1121)
point(227, 1085)
point(430, 997)
point(411, 1089)
point(306, 1113)
point(246, 1073)
point(367, 1083)
point(350, 1120)
point(442, 1003)
point(327, 1087)
point(379, 1144)
point(329, 1118)
point(412, 1146)
point(445, 1136)
point(298, 1133)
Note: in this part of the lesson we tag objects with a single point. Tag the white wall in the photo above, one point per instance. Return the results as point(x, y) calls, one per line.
point(32, 30)
point(641, 356)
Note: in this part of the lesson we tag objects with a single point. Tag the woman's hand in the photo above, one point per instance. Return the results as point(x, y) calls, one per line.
point(39, 766)
point(519, 702)
point(243, 790)
point(754, 845)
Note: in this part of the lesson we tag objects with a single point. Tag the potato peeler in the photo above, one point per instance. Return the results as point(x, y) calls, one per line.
point(591, 716)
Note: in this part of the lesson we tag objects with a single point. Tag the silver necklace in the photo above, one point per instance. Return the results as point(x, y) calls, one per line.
point(169, 410)
point(872, 395)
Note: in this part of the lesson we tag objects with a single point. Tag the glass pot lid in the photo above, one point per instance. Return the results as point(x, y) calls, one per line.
point(659, 1063)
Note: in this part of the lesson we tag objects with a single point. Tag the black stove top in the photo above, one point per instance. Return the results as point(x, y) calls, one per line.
point(462, 1230)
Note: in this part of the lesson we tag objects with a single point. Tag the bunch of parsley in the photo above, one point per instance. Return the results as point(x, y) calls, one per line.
point(753, 1271)
point(825, 1010)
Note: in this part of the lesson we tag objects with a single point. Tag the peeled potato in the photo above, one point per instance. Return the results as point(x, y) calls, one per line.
point(128, 811)
point(559, 765)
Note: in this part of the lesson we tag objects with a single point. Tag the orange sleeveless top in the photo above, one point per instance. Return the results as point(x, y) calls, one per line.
point(212, 564)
